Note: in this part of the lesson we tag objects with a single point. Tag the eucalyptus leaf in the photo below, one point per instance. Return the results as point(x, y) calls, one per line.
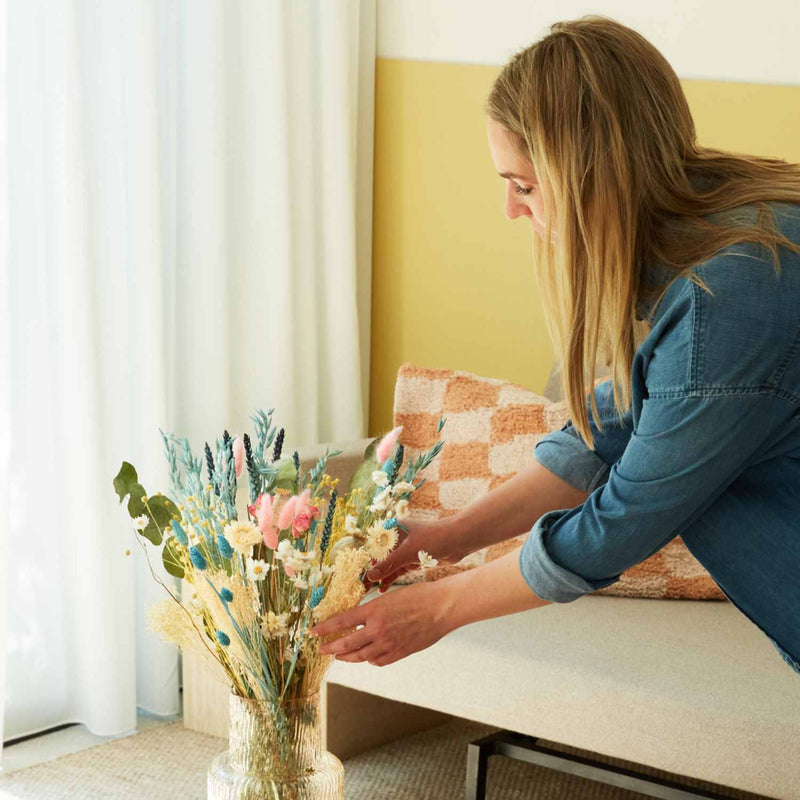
point(286, 473)
point(136, 506)
point(362, 477)
point(126, 479)
point(161, 513)
point(171, 558)
point(152, 533)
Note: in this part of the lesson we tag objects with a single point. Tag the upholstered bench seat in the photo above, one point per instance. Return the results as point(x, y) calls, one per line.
point(684, 686)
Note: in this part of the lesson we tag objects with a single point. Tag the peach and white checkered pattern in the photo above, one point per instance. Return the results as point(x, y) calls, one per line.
point(490, 431)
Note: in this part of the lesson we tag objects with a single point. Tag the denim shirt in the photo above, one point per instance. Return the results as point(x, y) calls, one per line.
point(709, 450)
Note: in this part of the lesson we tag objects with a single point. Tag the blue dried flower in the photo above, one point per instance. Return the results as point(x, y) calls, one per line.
point(226, 594)
point(390, 523)
point(316, 597)
point(197, 558)
point(180, 533)
point(225, 549)
point(223, 638)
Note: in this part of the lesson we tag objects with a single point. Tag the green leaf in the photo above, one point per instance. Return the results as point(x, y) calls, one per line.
point(362, 477)
point(286, 476)
point(126, 479)
point(371, 448)
point(136, 506)
point(159, 510)
point(170, 555)
point(162, 510)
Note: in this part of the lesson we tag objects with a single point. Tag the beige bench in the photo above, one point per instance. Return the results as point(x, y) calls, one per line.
point(689, 687)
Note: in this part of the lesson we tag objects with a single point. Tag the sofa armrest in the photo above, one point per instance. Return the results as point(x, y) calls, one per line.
point(342, 466)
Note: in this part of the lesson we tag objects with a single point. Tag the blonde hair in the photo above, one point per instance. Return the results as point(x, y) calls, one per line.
point(602, 116)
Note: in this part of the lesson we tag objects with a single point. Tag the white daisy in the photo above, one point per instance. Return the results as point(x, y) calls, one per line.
point(381, 500)
point(299, 581)
point(401, 508)
point(380, 541)
point(140, 523)
point(426, 560)
point(274, 625)
point(284, 549)
point(242, 535)
point(257, 569)
point(328, 569)
point(350, 523)
point(293, 558)
point(380, 478)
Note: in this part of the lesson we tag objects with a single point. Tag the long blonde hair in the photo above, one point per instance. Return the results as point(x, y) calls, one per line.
point(602, 116)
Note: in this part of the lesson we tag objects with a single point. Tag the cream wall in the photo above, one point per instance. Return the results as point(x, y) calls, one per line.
point(708, 39)
point(452, 279)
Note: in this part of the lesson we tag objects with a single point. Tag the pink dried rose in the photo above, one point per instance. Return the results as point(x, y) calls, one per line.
point(301, 524)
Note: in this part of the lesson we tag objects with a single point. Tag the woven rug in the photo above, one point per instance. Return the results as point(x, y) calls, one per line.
point(169, 761)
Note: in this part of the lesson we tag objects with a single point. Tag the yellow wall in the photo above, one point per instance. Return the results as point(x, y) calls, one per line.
point(453, 283)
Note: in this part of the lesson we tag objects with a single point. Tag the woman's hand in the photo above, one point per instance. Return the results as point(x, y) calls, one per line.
point(396, 624)
point(438, 538)
point(413, 617)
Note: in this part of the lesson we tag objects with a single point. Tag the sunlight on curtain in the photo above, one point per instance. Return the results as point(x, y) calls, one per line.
point(190, 237)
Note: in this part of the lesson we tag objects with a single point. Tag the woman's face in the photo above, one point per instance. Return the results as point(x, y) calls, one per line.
point(523, 192)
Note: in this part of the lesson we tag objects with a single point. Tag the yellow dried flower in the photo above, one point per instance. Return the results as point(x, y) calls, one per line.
point(346, 588)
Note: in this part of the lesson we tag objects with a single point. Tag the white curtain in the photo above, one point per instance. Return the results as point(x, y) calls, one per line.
point(189, 238)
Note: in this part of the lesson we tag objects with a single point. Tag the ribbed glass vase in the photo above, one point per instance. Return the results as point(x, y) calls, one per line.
point(275, 753)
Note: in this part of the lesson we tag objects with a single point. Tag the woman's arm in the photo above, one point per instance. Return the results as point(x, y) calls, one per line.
point(563, 475)
point(492, 590)
point(503, 513)
point(511, 508)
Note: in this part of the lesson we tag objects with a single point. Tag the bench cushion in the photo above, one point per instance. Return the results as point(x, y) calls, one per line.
point(491, 429)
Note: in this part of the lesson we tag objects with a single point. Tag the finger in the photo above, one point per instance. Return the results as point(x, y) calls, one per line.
point(390, 579)
point(368, 653)
point(347, 644)
point(389, 657)
point(389, 564)
point(340, 622)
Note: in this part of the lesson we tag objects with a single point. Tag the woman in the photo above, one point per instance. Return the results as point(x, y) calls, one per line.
point(697, 432)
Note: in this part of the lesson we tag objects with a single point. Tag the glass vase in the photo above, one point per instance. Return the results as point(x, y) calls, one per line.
point(275, 753)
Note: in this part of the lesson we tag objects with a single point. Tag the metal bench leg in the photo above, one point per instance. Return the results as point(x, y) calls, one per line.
point(478, 753)
point(526, 748)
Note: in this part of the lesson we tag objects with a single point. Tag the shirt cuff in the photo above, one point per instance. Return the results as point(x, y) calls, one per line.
point(549, 580)
point(565, 454)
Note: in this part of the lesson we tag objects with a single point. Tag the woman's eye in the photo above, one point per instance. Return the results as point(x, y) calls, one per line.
point(521, 190)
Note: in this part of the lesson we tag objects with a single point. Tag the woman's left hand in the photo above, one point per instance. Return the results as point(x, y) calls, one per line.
point(400, 622)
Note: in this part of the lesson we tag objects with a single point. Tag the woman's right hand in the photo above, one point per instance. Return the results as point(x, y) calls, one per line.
point(438, 538)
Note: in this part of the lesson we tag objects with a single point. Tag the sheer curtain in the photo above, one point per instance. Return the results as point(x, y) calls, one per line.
point(189, 238)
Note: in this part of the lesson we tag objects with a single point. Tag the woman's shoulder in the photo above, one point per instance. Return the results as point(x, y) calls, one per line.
point(733, 319)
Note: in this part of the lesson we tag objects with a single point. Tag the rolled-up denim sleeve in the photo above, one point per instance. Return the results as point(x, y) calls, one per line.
point(564, 453)
point(685, 451)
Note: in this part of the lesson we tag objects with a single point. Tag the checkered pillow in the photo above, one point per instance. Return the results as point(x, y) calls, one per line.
point(491, 429)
